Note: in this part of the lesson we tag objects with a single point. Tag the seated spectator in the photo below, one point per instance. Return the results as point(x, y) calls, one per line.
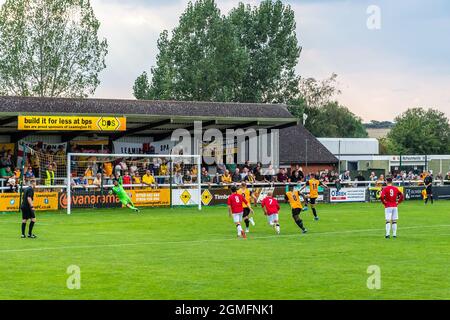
point(126, 179)
point(345, 176)
point(187, 178)
point(11, 182)
point(282, 176)
point(295, 177)
point(136, 178)
point(244, 173)
point(359, 178)
point(236, 177)
point(250, 178)
point(205, 176)
point(226, 177)
point(447, 179)
point(88, 174)
point(258, 175)
point(29, 174)
point(148, 179)
point(178, 178)
point(6, 173)
point(97, 180)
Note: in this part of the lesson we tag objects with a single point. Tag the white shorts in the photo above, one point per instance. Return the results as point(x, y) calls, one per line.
point(237, 217)
point(391, 213)
point(272, 218)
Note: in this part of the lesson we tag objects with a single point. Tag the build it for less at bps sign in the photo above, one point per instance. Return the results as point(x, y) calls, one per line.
point(72, 123)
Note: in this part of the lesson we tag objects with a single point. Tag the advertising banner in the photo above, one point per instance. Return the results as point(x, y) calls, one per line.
point(128, 147)
point(185, 197)
point(85, 199)
point(150, 197)
point(348, 195)
point(375, 192)
point(43, 201)
point(71, 123)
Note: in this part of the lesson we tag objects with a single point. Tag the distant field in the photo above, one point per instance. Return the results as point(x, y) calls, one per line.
point(186, 254)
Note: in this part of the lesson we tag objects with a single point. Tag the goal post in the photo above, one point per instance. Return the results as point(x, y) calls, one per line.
point(91, 175)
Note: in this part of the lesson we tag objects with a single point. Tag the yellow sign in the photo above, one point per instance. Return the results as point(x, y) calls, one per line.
point(72, 123)
point(185, 196)
point(206, 197)
point(150, 197)
point(43, 201)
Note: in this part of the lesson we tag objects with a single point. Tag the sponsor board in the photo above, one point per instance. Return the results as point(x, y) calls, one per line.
point(185, 197)
point(375, 192)
point(348, 195)
point(72, 123)
point(150, 197)
point(84, 199)
point(43, 201)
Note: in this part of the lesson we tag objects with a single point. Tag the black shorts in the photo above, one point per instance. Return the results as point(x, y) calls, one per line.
point(246, 212)
point(429, 191)
point(296, 211)
point(28, 213)
point(312, 200)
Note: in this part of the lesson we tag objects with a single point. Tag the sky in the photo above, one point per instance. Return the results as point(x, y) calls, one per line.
point(400, 60)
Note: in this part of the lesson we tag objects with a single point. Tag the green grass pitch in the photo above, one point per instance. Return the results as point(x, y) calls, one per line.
point(181, 253)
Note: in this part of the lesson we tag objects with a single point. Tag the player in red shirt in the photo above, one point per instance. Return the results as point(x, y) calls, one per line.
point(271, 207)
point(391, 197)
point(236, 210)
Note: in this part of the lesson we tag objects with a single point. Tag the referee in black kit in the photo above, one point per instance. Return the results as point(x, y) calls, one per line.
point(28, 210)
point(428, 182)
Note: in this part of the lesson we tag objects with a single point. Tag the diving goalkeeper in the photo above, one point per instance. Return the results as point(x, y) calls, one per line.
point(120, 192)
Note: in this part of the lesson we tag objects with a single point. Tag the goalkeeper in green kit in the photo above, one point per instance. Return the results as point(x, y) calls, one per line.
point(120, 192)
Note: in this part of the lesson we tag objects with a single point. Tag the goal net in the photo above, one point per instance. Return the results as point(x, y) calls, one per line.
point(150, 180)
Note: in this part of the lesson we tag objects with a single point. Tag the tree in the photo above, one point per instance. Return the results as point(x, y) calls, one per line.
point(50, 48)
point(334, 121)
point(325, 117)
point(248, 56)
point(420, 131)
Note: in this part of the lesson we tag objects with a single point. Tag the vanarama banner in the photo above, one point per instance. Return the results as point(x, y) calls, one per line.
point(150, 197)
point(72, 123)
point(85, 199)
point(43, 201)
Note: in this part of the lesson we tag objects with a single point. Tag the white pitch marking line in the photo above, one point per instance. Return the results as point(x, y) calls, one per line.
point(202, 241)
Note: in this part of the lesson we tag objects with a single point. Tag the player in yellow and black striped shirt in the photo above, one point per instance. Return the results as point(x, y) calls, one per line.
point(293, 197)
point(248, 195)
point(313, 185)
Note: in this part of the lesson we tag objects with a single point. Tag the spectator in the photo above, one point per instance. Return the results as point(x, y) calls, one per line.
point(250, 178)
point(163, 171)
point(136, 178)
point(236, 177)
point(282, 176)
point(97, 180)
point(295, 177)
point(244, 173)
point(187, 178)
point(258, 175)
point(49, 179)
point(226, 177)
point(35, 162)
point(177, 178)
point(61, 158)
point(360, 178)
point(205, 176)
point(447, 179)
point(148, 179)
point(126, 178)
point(29, 175)
point(12, 183)
point(345, 176)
